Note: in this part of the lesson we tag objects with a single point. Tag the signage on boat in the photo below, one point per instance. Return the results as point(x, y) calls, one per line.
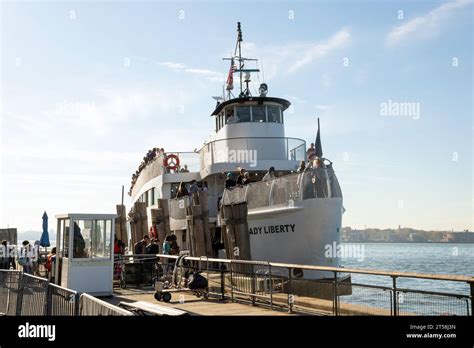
point(288, 228)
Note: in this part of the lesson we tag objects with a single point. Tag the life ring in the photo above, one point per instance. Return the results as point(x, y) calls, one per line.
point(171, 162)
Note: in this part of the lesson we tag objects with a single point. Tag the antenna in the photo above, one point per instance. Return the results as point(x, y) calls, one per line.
point(240, 69)
point(239, 40)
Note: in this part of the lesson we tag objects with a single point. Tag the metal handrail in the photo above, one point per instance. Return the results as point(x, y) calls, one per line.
point(447, 277)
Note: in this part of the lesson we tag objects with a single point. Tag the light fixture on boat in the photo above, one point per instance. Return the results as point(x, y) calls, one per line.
point(263, 90)
point(247, 77)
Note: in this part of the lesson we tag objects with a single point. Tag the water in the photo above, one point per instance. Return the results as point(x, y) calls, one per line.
point(435, 258)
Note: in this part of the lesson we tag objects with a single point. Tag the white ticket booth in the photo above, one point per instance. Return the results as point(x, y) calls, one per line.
point(85, 252)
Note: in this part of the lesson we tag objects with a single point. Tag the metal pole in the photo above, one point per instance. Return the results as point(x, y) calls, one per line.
point(395, 296)
point(271, 286)
point(290, 292)
point(123, 188)
point(222, 267)
point(472, 298)
point(335, 294)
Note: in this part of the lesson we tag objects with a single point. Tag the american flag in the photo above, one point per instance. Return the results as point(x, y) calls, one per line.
point(230, 77)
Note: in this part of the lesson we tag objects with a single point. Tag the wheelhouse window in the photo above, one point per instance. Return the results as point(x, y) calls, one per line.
point(229, 115)
point(259, 114)
point(243, 114)
point(274, 114)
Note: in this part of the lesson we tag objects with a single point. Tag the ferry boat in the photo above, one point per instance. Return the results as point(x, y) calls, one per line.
point(293, 218)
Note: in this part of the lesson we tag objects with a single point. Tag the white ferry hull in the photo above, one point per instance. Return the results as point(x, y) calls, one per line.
point(300, 234)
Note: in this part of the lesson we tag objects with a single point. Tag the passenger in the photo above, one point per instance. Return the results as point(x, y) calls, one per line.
point(229, 182)
point(140, 246)
point(153, 232)
point(153, 248)
point(311, 152)
point(11, 258)
point(174, 245)
point(24, 259)
point(193, 188)
point(118, 246)
point(302, 167)
point(320, 162)
point(240, 178)
point(35, 258)
point(182, 190)
point(50, 263)
point(270, 174)
point(204, 187)
point(4, 255)
point(184, 169)
point(246, 179)
point(166, 251)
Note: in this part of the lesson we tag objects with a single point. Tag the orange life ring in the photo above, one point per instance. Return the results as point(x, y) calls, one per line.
point(171, 162)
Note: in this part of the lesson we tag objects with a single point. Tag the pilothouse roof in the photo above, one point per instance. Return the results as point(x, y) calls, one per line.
point(260, 100)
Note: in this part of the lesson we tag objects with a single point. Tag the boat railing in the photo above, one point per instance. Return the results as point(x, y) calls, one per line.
point(287, 190)
point(248, 149)
point(156, 167)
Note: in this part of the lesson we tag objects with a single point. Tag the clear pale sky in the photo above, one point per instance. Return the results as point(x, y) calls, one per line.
point(88, 88)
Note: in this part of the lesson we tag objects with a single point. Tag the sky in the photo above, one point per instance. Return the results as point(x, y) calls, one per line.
point(87, 88)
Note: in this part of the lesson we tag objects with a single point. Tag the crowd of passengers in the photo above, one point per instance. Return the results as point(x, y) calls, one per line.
point(243, 178)
point(185, 189)
point(150, 156)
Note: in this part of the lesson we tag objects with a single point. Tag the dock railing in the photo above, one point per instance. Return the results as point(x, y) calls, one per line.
point(283, 286)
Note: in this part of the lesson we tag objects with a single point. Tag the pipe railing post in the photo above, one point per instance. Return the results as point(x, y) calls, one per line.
point(290, 291)
point(395, 295)
point(271, 286)
point(472, 298)
point(336, 302)
point(222, 269)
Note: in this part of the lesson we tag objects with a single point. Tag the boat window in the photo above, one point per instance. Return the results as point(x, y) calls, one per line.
point(151, 199)
point(273, 114)
point(229, 115)
point(217, 123)
point(258, 114)
point(243, 114)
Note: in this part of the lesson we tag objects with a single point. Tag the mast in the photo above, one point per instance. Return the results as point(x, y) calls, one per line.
point(241, 68)
point(239, 40)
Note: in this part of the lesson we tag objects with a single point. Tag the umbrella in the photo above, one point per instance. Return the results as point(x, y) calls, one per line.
point(44, 240)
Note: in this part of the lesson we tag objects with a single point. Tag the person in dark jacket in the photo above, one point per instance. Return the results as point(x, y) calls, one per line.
point(246, 179)
point(4, 255)
point(229, 182)
point(182, 190)
point(240, 178)
point(153, 248)
point(140, 247)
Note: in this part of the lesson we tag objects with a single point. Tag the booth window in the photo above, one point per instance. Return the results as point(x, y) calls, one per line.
point(258, 114)
point(243, 114)
point(274, 114)
point(64, 237)
point(81, 239)
point(92, 239)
